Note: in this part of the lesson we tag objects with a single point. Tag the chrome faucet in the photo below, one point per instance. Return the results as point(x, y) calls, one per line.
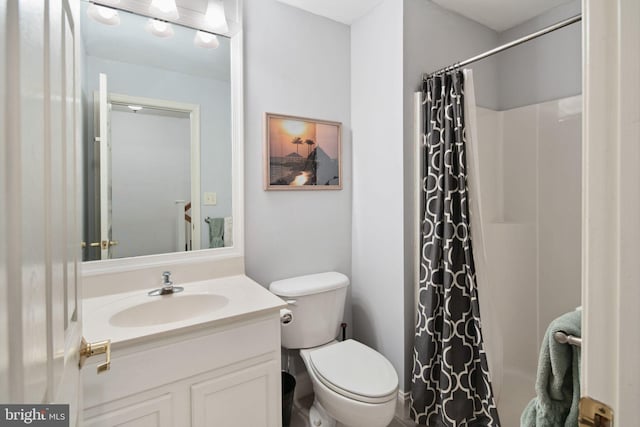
point(167, 286)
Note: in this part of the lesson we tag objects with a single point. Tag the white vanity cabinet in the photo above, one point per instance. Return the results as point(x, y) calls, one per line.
point(226, 375)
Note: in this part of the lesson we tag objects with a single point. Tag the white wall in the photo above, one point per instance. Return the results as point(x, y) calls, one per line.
point(295, 63)
point(4, 288)
point(377, 234)
point(214, 98)
point(544, 69)
point(559, 201)
point(144, 192)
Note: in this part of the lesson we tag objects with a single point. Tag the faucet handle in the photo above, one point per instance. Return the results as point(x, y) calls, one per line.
point(166, 280)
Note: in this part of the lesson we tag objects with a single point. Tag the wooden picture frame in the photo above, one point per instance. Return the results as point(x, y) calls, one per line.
point(302, 153)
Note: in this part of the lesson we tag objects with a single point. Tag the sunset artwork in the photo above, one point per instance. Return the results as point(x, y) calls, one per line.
point(302, 154)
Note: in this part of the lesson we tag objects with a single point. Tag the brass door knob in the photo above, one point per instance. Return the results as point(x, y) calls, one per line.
point(89, 349)
point(104, 244)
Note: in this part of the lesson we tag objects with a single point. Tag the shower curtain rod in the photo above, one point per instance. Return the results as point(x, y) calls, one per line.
point(506, 46)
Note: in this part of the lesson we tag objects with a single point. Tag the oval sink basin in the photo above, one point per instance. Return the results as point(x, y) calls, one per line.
point(168, 309)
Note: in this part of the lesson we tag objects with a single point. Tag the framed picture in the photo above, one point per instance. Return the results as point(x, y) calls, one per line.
point(302, 153)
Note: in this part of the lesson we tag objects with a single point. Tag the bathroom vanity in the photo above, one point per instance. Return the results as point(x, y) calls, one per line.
point(208, 356)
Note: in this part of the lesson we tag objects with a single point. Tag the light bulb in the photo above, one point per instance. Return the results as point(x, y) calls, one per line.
point(207, 40)
point(164, 9)
point(104, 15)
point(159, 28)
point(215, 18)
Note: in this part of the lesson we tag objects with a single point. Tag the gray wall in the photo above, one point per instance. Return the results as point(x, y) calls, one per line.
point(295, 63)
point(544, 69)
point(434, 38)
point(214, 98)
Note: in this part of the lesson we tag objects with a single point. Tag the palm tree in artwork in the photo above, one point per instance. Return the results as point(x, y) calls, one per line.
point(297, 141)
point(309, 143)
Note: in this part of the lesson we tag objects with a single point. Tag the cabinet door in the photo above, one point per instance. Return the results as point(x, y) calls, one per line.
point(246, 398)
point(154, 412)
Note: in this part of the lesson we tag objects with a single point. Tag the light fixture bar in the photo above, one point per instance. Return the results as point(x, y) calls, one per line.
point(188, 19)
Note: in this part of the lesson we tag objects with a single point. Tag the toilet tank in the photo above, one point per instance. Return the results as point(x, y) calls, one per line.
point(317, 302)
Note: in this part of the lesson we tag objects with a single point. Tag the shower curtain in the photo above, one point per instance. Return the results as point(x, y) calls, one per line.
point(450, 383)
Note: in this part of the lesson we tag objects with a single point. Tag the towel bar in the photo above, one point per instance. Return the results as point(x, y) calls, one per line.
point(563, 338)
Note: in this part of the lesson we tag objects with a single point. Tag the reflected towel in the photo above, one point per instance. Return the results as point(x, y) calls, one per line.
point(228, 231)
point(558, 381)
point(216, 232)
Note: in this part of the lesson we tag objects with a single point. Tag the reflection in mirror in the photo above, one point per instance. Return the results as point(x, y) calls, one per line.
point(157, 114)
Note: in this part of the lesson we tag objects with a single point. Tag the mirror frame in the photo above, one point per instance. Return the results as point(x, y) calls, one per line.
point(195, 20)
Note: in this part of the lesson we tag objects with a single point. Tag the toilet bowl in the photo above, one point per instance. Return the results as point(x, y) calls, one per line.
point(352, 383)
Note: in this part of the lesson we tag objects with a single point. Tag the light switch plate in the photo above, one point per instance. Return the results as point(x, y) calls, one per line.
point(210, 199)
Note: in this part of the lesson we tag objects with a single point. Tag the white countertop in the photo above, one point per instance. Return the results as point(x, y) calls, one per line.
point(245, 299)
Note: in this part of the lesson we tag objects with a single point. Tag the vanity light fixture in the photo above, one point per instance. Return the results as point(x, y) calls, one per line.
point(206, 40)
point(135, 108)
point(104, 15)
point(164, 9)
point(159, 28)
point(215, 18)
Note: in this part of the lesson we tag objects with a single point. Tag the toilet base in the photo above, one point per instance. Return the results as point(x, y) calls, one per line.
point(318, 416)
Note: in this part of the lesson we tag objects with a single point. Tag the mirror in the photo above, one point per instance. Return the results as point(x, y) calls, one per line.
point(158, 138)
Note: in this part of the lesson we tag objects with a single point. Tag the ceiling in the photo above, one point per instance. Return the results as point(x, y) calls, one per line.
point(498, 15)
point(345, 11)
point(130, 43)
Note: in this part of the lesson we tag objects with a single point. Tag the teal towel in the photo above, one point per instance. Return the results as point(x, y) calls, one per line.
point(216, 232)
point(558, 382)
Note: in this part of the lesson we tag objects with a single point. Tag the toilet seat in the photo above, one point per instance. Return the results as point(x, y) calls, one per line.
point(356, 371)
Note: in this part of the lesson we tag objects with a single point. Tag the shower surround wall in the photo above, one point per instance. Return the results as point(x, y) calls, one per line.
point(530, 173)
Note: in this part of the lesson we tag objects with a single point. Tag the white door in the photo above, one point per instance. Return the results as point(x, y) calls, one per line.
point(106, 240)
point(40, 318)
point(611, 206)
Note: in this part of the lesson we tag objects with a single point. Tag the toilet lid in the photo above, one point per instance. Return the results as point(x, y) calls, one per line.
point(355, 369)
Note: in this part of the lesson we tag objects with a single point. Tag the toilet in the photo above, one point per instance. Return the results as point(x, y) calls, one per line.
point(352, 383)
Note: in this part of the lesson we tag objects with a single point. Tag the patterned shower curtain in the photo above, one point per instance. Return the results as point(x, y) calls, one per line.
point(450, 385)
